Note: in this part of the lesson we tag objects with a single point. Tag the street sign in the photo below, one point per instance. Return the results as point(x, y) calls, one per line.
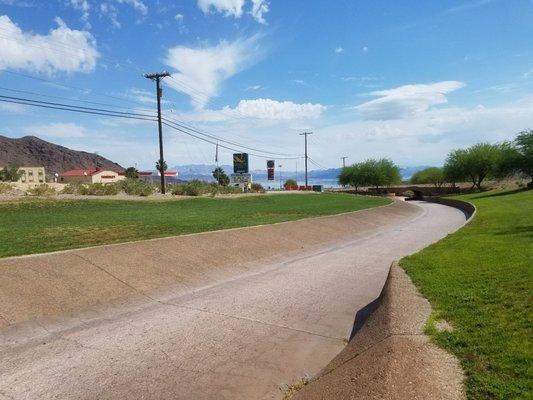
point(240, 179)
point(240, 163)
point(270, 169)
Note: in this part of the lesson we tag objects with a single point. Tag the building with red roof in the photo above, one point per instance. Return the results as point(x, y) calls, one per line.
point(90, 176)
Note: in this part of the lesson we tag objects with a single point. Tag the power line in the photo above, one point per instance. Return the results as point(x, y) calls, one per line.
point(77, 107)
point(185, 126)
point(180, 129)
point(66, 98)
point(108, 114)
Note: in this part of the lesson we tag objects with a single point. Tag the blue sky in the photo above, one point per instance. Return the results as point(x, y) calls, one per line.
point(408, 80)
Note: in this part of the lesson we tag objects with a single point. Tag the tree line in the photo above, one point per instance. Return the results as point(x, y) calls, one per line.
point(473, 164)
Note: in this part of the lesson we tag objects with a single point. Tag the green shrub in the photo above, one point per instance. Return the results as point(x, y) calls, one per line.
point(194, 188)
point(41, 190)
point(5, 187)
point(136, 187)
point(98, 189)
point(70, 188)
point(409, 194)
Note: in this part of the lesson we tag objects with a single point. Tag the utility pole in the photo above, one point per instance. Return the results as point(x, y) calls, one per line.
point(306, 157)
point(280, 178)
point(157, 78)
point(344, 161)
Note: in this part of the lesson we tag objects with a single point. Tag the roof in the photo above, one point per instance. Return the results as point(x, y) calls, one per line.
point(150, 173)
point(82, 172)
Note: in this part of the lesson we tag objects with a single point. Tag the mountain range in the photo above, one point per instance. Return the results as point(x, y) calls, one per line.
point(32, 151)
point(204, 172)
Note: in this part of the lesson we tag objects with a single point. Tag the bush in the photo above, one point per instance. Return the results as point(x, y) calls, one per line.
point(409, 194)
point(5, 187)
point(41, 190)
point(98, 189)
point(290, 183)
point(136, 187)
point(258, 188)
point(192, 188)
point(70, 188)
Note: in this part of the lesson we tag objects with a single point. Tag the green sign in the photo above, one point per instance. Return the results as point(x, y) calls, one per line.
point(240, 163)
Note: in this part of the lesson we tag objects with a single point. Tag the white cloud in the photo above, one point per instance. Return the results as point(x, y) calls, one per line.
point(59, 130)
point(254, 87)
point(63, 49)
point(365, 49)
point(427, 137)
point(407, 100)
point(299, 82)
point(111, 12)
point(262, 109)
point(227, 7)
point(83, 6)
point(138, 5)
point(234, 8)
point(338, 50)
point(179, 18)
point(259, 8)
point(202, 70)
point(18, 3)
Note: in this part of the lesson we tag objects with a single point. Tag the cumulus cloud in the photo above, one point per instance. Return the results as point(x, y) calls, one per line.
point(338, 50)
point(426, 137)
point(58, 130)
point(201, 70)
point(63, 49)
point(407, 100)
point(263, 109)
point(227, 7)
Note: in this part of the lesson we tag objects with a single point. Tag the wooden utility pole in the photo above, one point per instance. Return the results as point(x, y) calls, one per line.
point(306, 157)
point(157, 78)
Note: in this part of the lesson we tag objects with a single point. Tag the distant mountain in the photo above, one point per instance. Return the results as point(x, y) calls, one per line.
point(204, 172)
point(32, 151)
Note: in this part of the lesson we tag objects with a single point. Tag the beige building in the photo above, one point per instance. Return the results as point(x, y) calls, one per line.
point(32, 175)
point(90, 176)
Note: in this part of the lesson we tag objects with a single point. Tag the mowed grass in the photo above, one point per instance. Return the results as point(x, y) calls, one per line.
point(480, 280)
point(37, 226)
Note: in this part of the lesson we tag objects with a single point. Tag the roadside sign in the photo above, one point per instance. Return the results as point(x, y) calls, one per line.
point(270, 169)
point(240, 163)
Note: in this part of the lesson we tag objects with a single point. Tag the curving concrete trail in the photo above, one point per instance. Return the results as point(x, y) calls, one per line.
point(243, 338)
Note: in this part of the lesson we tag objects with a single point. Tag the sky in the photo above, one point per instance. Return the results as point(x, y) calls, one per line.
point(407, 80)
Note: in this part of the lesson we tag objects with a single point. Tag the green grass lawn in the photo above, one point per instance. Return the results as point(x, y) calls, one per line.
point(37, 226)
point(480, 280)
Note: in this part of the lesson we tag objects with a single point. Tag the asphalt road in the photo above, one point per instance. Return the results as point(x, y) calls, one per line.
point(244, 338)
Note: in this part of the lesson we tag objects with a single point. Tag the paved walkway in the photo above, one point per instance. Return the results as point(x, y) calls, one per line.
point(244, 338)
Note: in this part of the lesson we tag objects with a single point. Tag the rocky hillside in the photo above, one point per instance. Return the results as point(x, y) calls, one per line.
point(32, 151)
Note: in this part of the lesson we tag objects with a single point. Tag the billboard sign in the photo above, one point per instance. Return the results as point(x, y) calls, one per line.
point(240, 163)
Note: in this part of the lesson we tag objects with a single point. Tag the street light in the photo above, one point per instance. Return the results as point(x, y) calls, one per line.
point(280, 185)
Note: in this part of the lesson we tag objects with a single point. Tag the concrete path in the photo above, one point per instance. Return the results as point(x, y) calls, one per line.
point(244, 338)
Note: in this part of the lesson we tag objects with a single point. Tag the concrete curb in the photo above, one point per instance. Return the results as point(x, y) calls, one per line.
point(388, 351)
